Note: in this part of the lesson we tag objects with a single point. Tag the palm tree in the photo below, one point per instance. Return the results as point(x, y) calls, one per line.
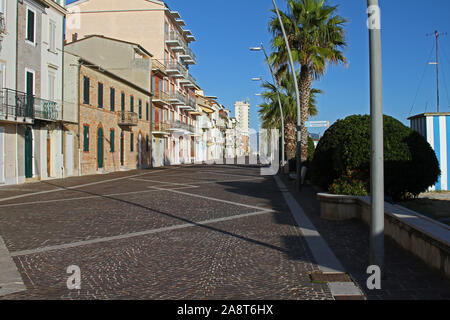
point(316, 37)
point(270, 111)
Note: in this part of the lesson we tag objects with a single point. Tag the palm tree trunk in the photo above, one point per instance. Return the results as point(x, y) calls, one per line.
point(305, 93)
point(290, 139)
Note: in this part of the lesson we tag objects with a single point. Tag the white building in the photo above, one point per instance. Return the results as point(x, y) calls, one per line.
point(8, 120)
point(242, 114)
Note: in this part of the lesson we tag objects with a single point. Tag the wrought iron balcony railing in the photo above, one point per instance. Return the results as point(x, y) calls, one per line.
point(158, 65)
point(161, 96)
point(160, 127)
point(46, 110)
point(15, 104)
point(127, 118)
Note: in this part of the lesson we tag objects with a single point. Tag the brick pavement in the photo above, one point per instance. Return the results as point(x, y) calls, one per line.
point(232, 255)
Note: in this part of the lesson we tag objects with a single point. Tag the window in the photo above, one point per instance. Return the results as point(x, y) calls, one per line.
point(146, 111)
point(29, 82)
point(140, 109)
point(86, 138)
point(52, 36)
point(122, 101)
point(147, 145)
point(131, 104)
point(111, 140)
point(154, 115)
point(31, 26)
point(131, 142)
point(100, 95)
point(112, 99)
point(86, 86)
point(51, 85)
point(153, 83)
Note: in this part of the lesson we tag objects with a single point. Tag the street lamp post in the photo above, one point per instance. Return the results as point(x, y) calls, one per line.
point(377, 157)
point(277, 87)
point(297, 93)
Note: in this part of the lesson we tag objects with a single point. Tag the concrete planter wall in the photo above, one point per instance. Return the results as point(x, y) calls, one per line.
point(424, 237)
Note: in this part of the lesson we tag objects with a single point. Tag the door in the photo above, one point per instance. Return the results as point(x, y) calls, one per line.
point(140, 150)
point(49, 154)
point(100, 148)
point(28, 112)
point(122, 155)
point(69, 154)
point(2, 155)
point(28, 153)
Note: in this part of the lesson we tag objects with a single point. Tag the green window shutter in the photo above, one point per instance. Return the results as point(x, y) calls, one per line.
point(111, 140)
point(86, 139)
point(122, 103)
point(100, 95)
point(30, 26)
point(140, 109)
point(131, 142)
point(86, 90)
point(112, 99)
point(146, 111)
point(131, 104)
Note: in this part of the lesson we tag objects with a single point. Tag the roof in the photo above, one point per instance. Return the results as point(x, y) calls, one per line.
point(112, 39)
point(429, 114)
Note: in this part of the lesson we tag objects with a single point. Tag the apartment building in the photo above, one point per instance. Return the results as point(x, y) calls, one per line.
point(162, 32)
point(114, 103)
point(242, 113)
point(31, 55)
point(11, 115)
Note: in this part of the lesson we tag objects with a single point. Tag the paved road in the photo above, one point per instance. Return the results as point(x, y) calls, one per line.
point(197, 232)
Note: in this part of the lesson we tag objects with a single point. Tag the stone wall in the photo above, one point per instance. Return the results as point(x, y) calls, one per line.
point(426, 238)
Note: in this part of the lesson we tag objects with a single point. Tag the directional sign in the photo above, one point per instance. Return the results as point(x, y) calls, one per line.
point(317, 124)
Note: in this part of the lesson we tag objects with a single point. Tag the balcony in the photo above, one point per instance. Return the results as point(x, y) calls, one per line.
point(206, 125)
point(160, 128)
point(173, 39)
point(177, 98)
point(127, 118)
point(189, 105)
point(159, 67)
point(176, 70)
point(189, 82)
point(188, 56)
point(16, 106)
point(161, 98)
point(46, 110)
point(182, 127)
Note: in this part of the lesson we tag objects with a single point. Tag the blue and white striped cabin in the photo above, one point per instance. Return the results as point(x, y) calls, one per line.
point(435, 127)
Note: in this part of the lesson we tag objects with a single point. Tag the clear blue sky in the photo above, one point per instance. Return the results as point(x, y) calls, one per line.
point(226, 29)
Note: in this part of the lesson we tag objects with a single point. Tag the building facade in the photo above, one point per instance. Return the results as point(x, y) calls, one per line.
point(114, 126)
point(162, 32)
point(31, 67)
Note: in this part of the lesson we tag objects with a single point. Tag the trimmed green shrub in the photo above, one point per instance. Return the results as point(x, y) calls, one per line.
point(410, 163)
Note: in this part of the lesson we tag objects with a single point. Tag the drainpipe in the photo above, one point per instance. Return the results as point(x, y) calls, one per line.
point(78, 116)
point(62, 100)
point(17, 74)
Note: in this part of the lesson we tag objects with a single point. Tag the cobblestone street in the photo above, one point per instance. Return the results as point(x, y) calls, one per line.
point(195, 232)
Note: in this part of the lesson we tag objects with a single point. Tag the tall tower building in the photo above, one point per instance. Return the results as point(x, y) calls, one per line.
point(241, 111)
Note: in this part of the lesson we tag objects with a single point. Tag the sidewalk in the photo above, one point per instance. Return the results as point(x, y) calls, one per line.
point(406, 277)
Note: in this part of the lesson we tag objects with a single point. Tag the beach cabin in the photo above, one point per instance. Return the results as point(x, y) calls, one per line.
point(435, 127)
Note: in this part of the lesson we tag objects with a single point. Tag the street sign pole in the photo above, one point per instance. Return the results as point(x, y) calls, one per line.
point(377, 157)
